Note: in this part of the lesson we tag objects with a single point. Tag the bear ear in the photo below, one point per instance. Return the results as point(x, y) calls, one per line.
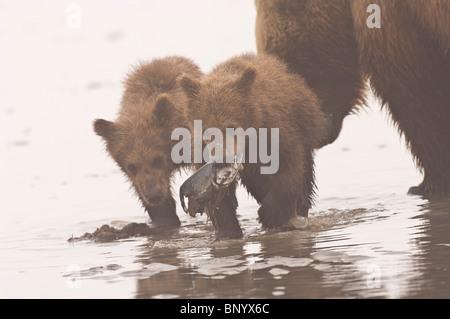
point(163, 111)
point(104, 128)
point(245, 82)
point(190, 86)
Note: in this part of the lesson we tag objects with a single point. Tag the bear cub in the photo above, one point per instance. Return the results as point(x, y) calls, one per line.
point(139, 140)
point(252, 92)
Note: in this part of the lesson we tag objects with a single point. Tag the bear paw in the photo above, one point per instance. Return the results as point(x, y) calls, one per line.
point(297, 222)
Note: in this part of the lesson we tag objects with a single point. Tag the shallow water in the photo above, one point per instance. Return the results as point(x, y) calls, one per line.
point(366, 238)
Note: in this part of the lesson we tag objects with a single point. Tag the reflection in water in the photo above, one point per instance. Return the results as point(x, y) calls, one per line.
point(364, 253)
point(390, 265)
point(435, 246)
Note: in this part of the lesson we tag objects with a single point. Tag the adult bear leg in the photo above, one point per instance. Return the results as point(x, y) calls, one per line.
point(426, 127)
point(409, 71)
point(424, 120)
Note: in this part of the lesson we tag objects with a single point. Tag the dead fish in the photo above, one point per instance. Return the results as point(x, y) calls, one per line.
point(208, 184)
point(197, 187)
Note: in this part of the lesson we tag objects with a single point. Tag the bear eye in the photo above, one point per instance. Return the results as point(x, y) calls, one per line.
point(132, 169)
point(158, 162)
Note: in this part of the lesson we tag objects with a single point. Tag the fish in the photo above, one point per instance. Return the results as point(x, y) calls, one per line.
point(208, 185)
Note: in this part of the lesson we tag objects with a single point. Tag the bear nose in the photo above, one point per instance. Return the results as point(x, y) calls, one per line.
point(154, 196)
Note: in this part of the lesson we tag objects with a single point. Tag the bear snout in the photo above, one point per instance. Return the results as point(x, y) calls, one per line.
point(151, 193)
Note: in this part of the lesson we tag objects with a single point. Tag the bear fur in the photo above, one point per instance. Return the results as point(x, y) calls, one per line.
point(406, 62)
point(139, 140)
point(258, 91)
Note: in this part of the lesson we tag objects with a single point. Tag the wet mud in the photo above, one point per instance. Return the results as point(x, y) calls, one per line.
point(107, 233)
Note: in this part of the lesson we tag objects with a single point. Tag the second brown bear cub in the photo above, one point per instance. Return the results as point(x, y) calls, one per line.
point(258, 91)
point(139, 140)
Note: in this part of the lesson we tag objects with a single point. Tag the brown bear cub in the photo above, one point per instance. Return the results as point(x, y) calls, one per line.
point(139, 140)
point(258, 91)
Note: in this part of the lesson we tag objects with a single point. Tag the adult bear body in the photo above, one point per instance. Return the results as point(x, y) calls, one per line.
point(406, 61)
